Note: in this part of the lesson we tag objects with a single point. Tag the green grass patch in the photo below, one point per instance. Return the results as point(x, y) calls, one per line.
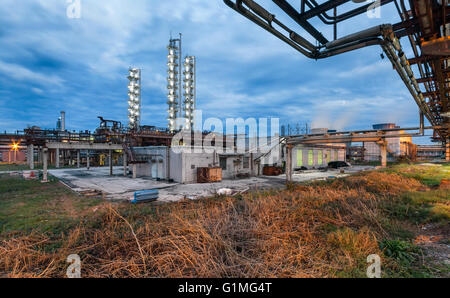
point(429, 174)
point(26, 167)
point(402, 251)
point(349, 219)
point(29, 205)
point(420, 207)
point(14, 167)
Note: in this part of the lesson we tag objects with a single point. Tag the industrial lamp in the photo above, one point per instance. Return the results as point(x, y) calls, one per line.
point(134, 97)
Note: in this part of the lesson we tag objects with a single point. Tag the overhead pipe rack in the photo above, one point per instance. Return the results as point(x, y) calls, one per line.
point(413, 22)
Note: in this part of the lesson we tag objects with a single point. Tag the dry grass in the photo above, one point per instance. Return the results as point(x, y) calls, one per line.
point(305, 231)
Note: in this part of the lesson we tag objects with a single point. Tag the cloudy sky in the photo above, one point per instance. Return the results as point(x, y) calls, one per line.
point(49, 63)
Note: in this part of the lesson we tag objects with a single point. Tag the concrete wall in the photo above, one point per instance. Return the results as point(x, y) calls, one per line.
point(176, 174)
point(192, 161)
point(156, 158)
point(182, 166)
point(237, 164)
point(11, 156)
point(142, 169)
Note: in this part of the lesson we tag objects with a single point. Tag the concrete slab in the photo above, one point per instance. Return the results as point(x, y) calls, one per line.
point(114, 187)
point(118, 187)
point(202, 190)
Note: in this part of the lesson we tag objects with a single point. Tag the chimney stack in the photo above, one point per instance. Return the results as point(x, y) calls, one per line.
point(63, 121)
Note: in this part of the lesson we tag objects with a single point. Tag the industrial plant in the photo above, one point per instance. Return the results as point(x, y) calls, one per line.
point(243, 198)
point(146, 151)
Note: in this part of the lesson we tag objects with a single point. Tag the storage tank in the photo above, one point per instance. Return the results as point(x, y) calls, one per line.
point(385, 126)
point(315, 131)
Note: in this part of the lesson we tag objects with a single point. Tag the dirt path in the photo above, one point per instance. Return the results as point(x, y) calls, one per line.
point(435, 242)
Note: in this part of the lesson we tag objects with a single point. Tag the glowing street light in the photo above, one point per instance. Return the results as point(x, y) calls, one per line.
point(134, 98)
point(189, 91)
point(173, 82)
point(15, 146)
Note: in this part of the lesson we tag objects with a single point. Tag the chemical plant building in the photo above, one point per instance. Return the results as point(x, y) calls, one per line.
point(148, 153)
point(182, 167)
point(152, 154)
point(430, 152)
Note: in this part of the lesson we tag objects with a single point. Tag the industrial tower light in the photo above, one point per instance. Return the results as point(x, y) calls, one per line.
point(173, 82)
point(134, 97)
point(189, 91)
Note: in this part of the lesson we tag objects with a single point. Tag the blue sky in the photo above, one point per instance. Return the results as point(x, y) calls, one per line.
point(49, 63)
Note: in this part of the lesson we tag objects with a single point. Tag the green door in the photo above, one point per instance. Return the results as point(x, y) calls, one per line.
point(299, 158)
point(310, 157)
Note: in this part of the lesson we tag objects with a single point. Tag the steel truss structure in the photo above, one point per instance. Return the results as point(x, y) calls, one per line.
point(425, 23)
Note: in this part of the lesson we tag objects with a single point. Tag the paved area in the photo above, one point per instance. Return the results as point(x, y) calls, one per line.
point(99, 179)
point(118, 187)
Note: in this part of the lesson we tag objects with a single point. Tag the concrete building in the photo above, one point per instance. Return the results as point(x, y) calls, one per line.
point(152, 162)
point(396, 147)
point(161, 162)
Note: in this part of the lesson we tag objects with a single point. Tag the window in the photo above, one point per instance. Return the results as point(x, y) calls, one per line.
point(246, 163)
point(223, 163)
point(299, 158)
point(310, 157)
point(319, 157)
point(328, 156)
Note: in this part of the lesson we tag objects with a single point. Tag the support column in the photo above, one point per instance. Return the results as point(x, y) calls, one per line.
point(78, 158)
point(289, 163)
point(57, 158)
point(447, 150)
point(363, 152)
point(110, 163)
point(168, 162)
point(125, 163)
point(134, 171)
point(45, 166)
point(88, 161)
point(42, 155)
point(252, 170)
point(383, 153)
point(30, 155)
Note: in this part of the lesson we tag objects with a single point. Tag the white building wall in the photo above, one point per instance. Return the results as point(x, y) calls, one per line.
point(235, 166)
point(182, 166)
point(142, 169)
point(192, 161)
point(156, 157)
point(176, 174)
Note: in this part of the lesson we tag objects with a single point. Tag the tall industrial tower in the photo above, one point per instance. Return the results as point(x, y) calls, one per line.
point(189, 91)
point(174, 83)
point(134, 98)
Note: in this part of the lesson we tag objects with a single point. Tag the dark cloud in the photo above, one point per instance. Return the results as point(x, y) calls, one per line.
point(50, 63)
